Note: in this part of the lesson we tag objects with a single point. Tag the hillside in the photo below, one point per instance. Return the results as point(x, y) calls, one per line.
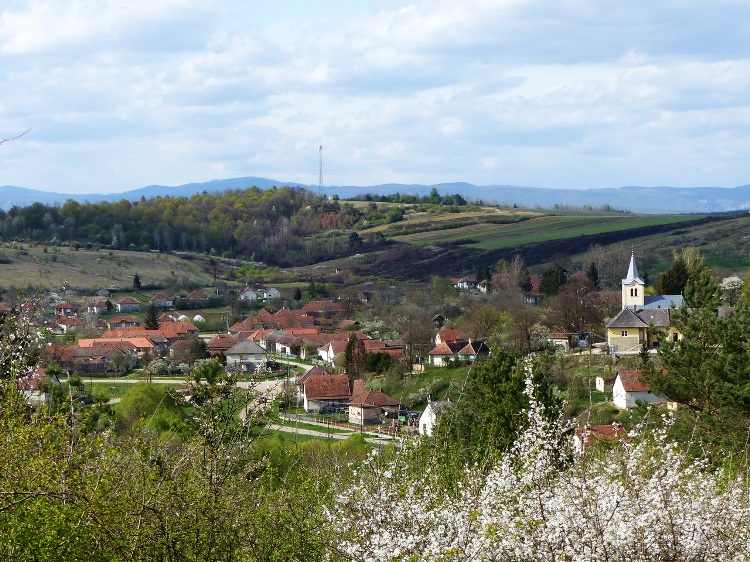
point(639, 199)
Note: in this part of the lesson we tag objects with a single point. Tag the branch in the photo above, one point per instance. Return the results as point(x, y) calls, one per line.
point(14, 138)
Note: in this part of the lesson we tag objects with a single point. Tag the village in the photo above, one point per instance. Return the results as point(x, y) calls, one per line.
point(319, 355)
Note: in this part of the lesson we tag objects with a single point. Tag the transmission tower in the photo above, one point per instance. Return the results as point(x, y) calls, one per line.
point(320, 173)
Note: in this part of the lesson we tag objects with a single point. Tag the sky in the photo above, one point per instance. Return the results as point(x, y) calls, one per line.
point(120, 94)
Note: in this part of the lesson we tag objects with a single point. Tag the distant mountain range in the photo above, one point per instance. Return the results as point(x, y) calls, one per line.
point(631, 198)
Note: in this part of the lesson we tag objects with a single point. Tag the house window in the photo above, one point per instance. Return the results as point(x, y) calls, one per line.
point(624, 333)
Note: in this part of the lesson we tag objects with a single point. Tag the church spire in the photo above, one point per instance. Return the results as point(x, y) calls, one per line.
point(632, 272)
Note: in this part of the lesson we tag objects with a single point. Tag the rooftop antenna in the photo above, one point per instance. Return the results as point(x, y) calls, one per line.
point(320, 173)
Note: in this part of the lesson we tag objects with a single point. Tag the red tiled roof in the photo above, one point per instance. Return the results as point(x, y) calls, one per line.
point(448, 348)
point(451, 334)
point(372, 398)
point(314, 372)
point(328, 387)
point(591, 434)
point(128, 300)
point(631, 380)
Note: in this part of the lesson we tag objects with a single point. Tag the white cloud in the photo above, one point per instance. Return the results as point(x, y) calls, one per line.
point(564, 94)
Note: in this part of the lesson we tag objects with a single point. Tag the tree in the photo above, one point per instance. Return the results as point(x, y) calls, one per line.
point(193, 350)
point(731, 289)
point(552, 280)
point(708, 373)
point(701, 291)
point(490, 411)
point(593, 275)
point(136, 281)
point(674, 279)
point(353, 356)
point(151, 319)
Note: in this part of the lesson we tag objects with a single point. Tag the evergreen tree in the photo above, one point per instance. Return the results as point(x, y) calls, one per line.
point(674, 279)
point(151, 321)
point(491, 410)
point(708, 373)
point(593, 275)
point(136, 281)
point(702, 291)
point(552, 280)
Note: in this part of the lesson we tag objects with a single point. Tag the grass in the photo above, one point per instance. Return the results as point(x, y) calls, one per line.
point(312, 427)
point(488, 236)
point(31, 266)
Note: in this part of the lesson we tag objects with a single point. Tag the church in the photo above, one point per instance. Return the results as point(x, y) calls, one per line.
point(644, 319)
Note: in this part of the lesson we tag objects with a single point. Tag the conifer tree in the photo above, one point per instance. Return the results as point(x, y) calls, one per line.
point(151, 321)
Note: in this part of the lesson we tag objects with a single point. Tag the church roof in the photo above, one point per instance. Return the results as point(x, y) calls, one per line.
point(663, 301)
point(626, 318)
point(632, 273)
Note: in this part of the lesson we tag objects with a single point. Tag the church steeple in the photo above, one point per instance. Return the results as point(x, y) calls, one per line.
point(632, 272)
point(633, 287)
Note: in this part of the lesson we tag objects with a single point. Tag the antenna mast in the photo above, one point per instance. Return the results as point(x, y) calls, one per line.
point(320, 174)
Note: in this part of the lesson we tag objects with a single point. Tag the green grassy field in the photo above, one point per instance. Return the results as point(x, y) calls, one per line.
point(488, 236)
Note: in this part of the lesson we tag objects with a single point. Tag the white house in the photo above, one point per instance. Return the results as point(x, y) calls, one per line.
point(248, 295)
point(246, 355)
point(128, 304)
point(429, 417)
point(628, 389)
point(271, 294)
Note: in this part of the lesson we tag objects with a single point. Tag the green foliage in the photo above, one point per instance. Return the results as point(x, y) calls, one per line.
point(378, 362)
point(151, 406)
point(552, 280)
point(674, 279)
point(151, 318)
point(488, 415)
point(708, 373)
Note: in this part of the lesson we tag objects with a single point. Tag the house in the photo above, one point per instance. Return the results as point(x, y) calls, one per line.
point(473, 351)
point(561, 340)
point(534, 295)
point(432, 412)
point(245, 356)
point(65, 308)
point(30, 386)
point(644, 319)
point(450, 334)
point(329, 351)
point(629, 388)
point(467, 283)
point(97, 307)
point(589, 435)
point(441, 354)
point(128, 304)
point(220, 343)
point(271, 293)
point(321, 390)
point(605, 384)
point(196, 299)
point(365, 406)
point(248, 295)
point(467, 351)
point(66, 324)
point(161, 300)
point(123, 322)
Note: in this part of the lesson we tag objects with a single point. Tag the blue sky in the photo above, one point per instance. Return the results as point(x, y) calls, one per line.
point(563, 94)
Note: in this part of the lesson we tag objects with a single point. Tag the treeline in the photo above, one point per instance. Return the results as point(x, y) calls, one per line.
point(434, 198)
point(279, 225)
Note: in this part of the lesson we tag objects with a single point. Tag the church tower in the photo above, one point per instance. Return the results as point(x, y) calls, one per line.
point(633, 287)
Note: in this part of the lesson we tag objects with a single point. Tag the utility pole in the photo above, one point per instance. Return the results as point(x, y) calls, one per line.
point(320, 173)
